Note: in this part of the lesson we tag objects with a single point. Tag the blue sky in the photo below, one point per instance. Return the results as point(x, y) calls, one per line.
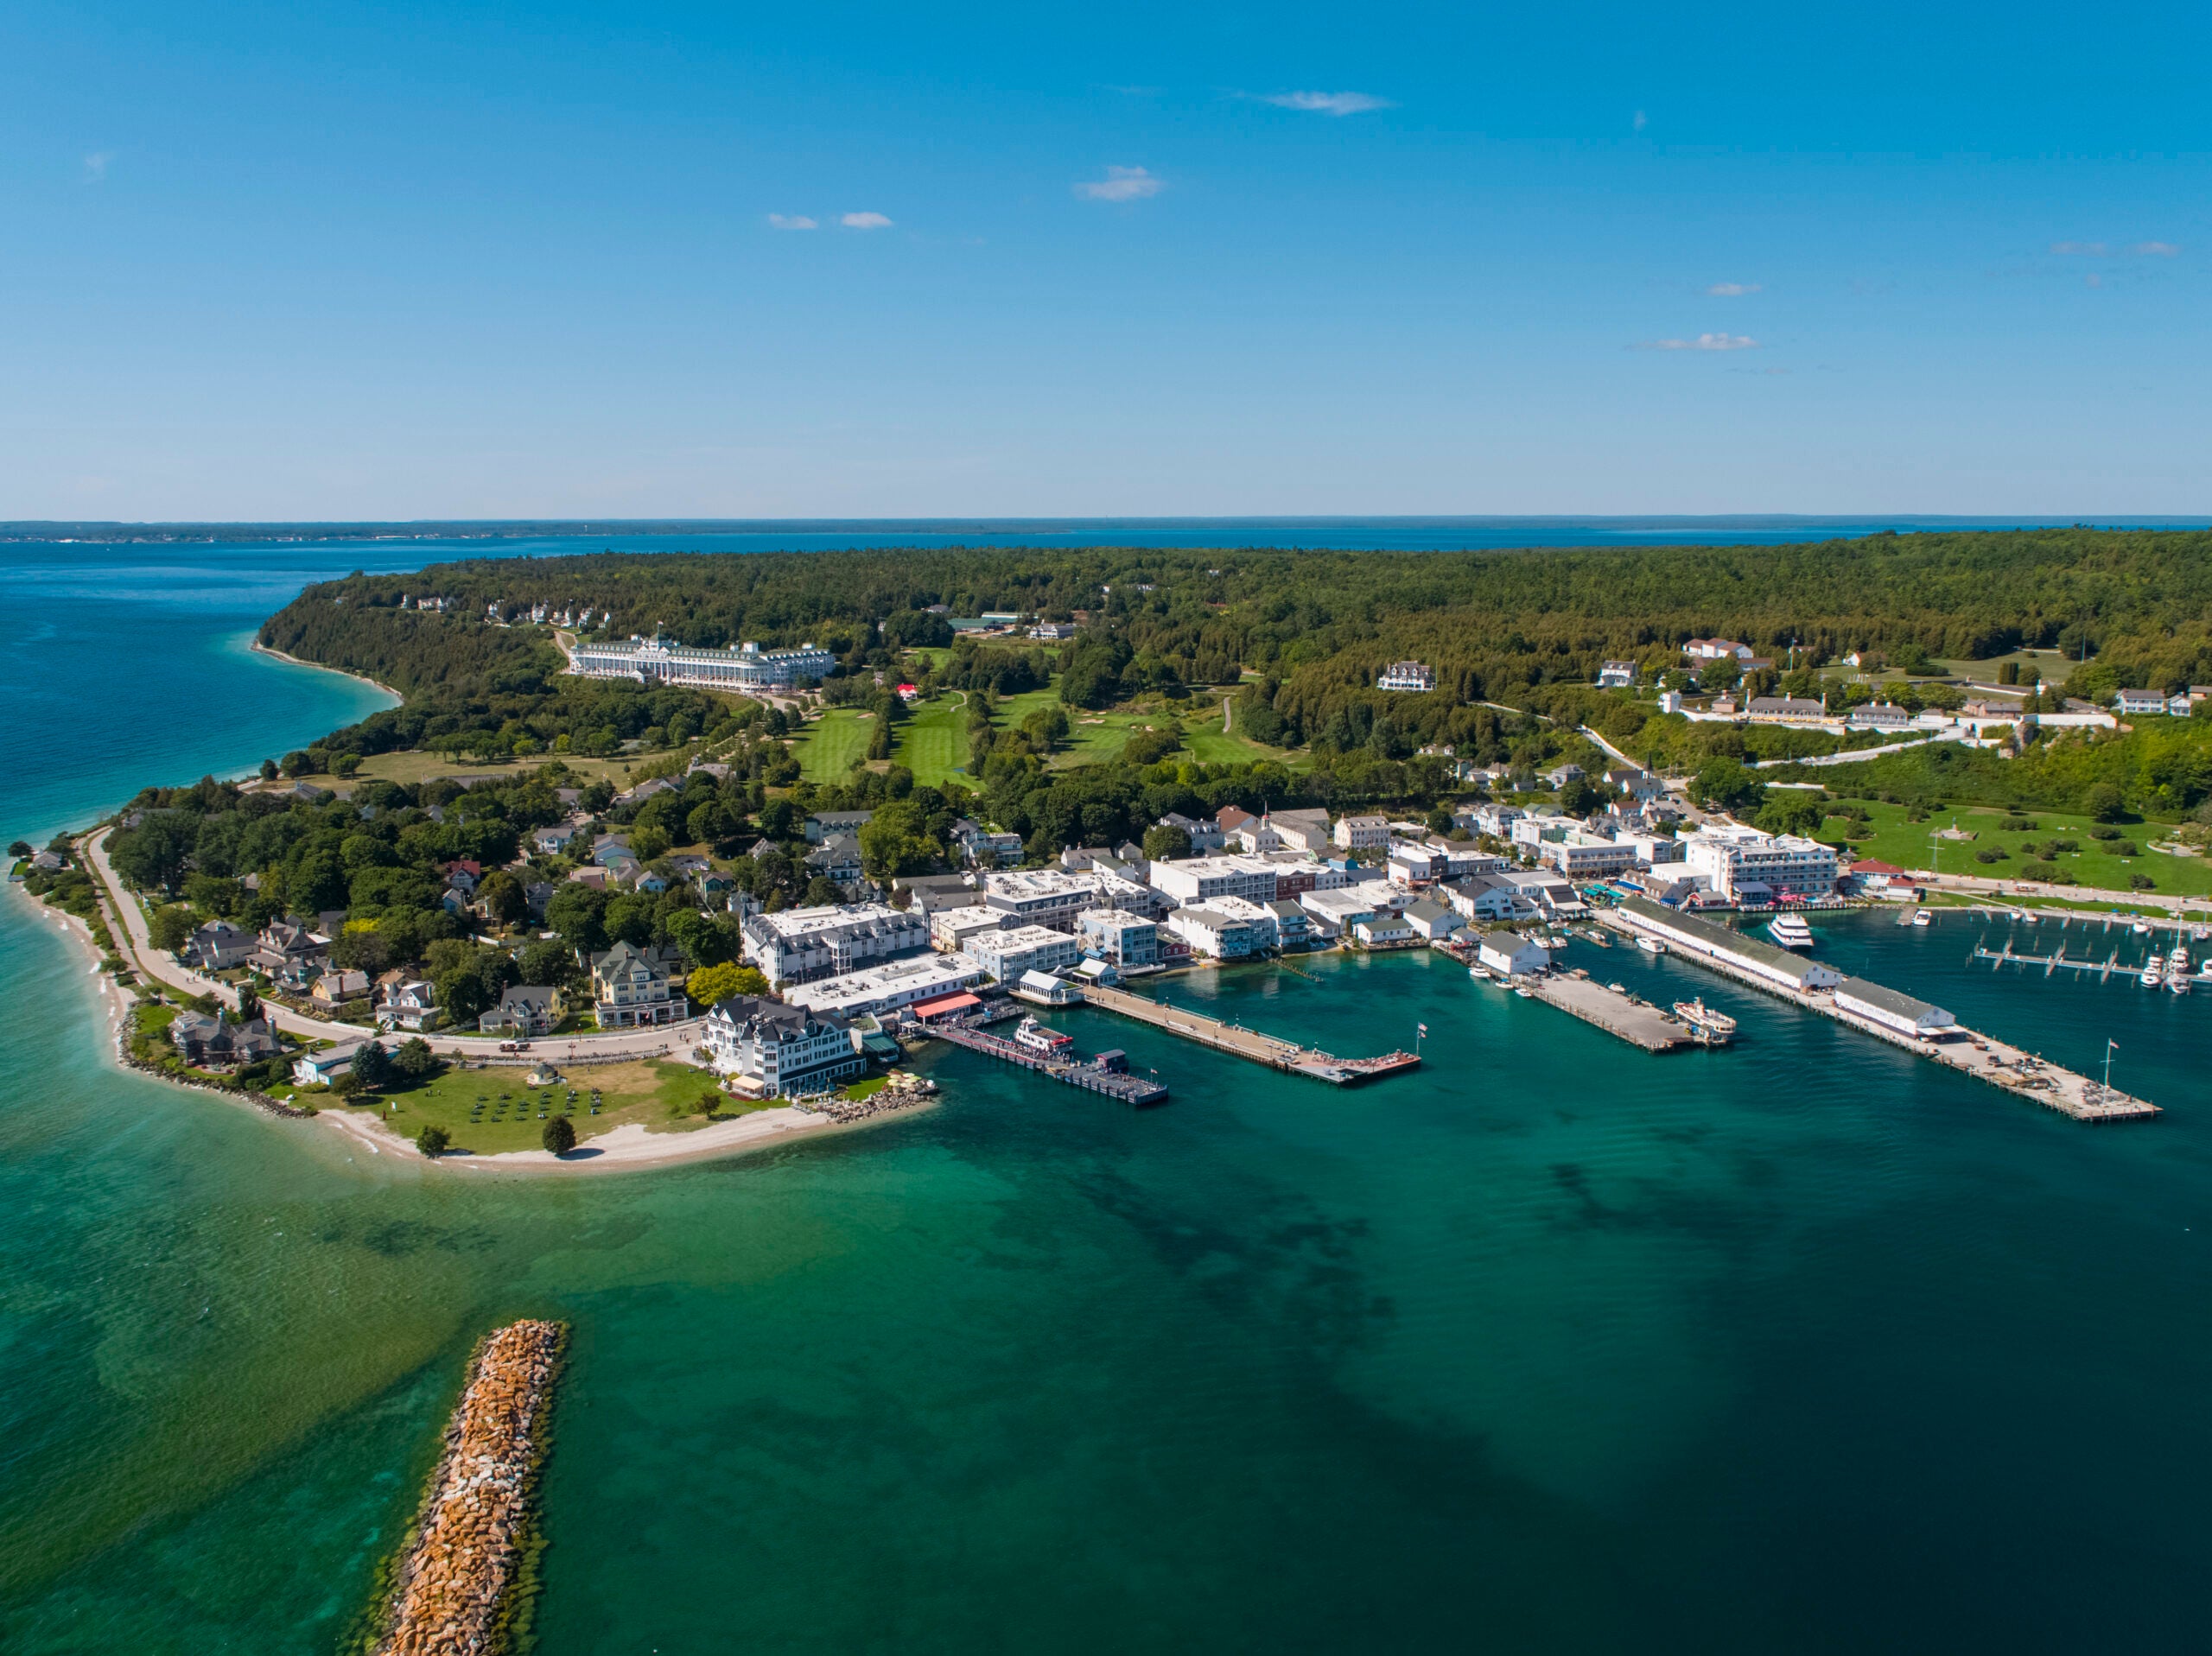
point(346, 261)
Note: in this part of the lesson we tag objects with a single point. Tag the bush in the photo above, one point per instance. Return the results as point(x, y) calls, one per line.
point(2038, 870)
point(2101, 831)
point(2142, 882)
point(1991, 853)
point(2105, 804)
point(434, 1141)
point(560, 1135)
point(2124, 848)
point(2024, 825)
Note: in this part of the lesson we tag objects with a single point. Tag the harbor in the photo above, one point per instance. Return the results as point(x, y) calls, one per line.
point(1925, 1030)
point(1614, 1010)
point(1101, 1075)
point(1234, 1038)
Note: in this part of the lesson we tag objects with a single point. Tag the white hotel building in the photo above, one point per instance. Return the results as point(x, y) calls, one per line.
point(657, 661)
point(1201, 880)
point(1747, 865)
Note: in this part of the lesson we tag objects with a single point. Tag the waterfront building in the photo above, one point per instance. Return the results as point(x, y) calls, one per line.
point(1118, 936)
point(1700, 936)
point(321, 1069)
point(659, 660)
point(1346, 907)
point(220, 1040)
point(524, 1010)
point(1431, 920)
point(218, 945)
point(951, 929)
point(1007, 955)
point(1216, 936)
point(1260, 916)
point(1746, 864)
point(1293, 926)
point(780, 1049)
point(1487, 897)
point(1384, 928)
point(1892, 1009)
point(800, 944)
point(887, 987)
point(1510, 954)
point(1047, 897)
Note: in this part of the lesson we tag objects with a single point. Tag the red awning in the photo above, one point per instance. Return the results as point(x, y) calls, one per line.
point(943, 1004)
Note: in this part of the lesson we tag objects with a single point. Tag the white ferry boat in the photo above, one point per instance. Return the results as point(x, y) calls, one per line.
point(1713, 1028)
point(1048, 1042)
point(1790, 931)
point(1650, 945)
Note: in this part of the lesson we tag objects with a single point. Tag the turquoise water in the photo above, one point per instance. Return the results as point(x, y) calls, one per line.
point(1552, 1346)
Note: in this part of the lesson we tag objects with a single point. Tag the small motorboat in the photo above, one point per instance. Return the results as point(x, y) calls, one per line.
point(1922, 917)
point(2153, 976)
point(1525, 993)
point(1651, 945)
point(1617, 988)
point(2141, 928)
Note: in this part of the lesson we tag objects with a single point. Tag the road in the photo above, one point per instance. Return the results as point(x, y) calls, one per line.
point(2174, 905)
point(127, 922)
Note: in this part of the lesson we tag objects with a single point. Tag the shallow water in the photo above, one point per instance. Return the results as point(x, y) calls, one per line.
point(1552, 1345)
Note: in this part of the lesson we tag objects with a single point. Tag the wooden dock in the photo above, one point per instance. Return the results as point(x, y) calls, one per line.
point(1635, 1021)
point(1087, 1077)
point(1984, 1056)
point(1239, 1042)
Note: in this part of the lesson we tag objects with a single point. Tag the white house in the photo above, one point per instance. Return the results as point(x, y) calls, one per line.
point(2139, 700)
point(1381, 930)
point(829, 938)
point(321, 1069)
point(1407, 675)
point(1431, 920)
point(1487, 897)
point(1260, 916)
point(1616, 675)
point(1362, 833)
point(1511, 954)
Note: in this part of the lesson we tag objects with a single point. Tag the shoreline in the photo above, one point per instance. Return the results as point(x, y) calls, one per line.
point(258, 648)
point(629, 1148)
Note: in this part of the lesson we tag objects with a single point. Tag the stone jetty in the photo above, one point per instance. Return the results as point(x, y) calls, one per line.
point(466, 1552)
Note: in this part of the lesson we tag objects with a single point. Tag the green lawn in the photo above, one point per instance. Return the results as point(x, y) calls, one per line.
point(829, 747)
point(505, 1112)
point(933, 741)
point(1097, 738)
point(2096, 864)
point(1211, 744)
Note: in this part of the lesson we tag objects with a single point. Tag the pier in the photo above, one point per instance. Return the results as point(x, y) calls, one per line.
point(1089, 1077)
point(1968, 1051)
point(1286, 1056)
point(1636, 1022)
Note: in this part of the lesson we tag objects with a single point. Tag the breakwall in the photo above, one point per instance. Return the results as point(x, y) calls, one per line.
point(465, 1554)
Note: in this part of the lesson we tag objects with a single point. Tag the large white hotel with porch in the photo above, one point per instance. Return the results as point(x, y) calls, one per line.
point(657, 661)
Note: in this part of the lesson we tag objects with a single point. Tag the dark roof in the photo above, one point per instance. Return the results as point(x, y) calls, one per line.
point(1890, 1000)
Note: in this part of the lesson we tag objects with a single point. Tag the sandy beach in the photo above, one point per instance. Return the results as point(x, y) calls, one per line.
point(261, 649)
point(627, 1148)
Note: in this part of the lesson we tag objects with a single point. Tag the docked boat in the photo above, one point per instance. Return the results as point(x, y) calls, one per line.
point(1479, 972)
point(1046, 1042)
point(1790, 931)
point(1525, 993)
point(1617, 988)
point(1922, 917)
point(1712, 1028)
point(2152, 976)
point(2141, 928)
point(1651, 945)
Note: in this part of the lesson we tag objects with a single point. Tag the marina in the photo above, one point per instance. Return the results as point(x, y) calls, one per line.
point(1925, 1030)
point(1234, 1038)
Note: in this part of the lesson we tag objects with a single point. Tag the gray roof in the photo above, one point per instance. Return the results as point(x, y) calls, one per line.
point(761, 1014)
point(1890, 1000)
point(1728, 937)
point(1427, 910)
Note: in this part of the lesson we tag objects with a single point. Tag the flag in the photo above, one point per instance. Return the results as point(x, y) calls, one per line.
point(1423, 1028)
point(2112, 1046)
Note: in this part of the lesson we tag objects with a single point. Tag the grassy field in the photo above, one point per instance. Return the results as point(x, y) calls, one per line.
point(490, 1111)
point(1211, 744)
point(933, 741)
point(1097, 738)
point(414, 767)
point(2097, 863)
point(830, 746)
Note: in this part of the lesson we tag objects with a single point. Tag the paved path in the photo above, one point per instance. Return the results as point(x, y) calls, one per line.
point(2174, 905)
point(674, 1040)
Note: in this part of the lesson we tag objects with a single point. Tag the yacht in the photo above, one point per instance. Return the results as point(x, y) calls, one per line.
point(1790, 931)
point(1650, 945)
point(1713, 1028)
point(1048, 1041)
point(2153, 976)
point(2177, 960)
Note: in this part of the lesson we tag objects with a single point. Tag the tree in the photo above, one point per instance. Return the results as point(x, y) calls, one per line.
point(372, 1068)
point(171, 926)
point(2141, 883)
point(414, 1060)
point(249, 1004)
point(1728, 785)
point(1791, 811)
point(2104, 802)
point(650, 842)
point(559, 1136)
point(434, 1141)
point(19, 849)
point(709, 1101)
point(1165, 843)
point(709, 986)
point(501, 894)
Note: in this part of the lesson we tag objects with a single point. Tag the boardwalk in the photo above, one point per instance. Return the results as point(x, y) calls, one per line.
point(1968, 1051)
point(1635, 1021)
point(1129, 1089)
point(1286, 1056)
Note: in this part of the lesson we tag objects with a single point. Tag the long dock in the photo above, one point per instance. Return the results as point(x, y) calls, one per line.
point(1286, 1056)
point(1968, 1051)
point(1635, 1021)
point(1089, 1077)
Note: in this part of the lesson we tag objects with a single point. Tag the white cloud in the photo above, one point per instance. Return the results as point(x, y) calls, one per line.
point(1703, 342)
point(96, 166)
point(1321, 103)
point(865, 221)
point(2093, 250)
point(2156, 250)
point(792, 221)
point(1122, 184)
point(1642, 120)
point(1732, 289)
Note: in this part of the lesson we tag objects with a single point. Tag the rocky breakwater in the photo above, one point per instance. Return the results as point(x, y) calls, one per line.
point(456, 1583)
